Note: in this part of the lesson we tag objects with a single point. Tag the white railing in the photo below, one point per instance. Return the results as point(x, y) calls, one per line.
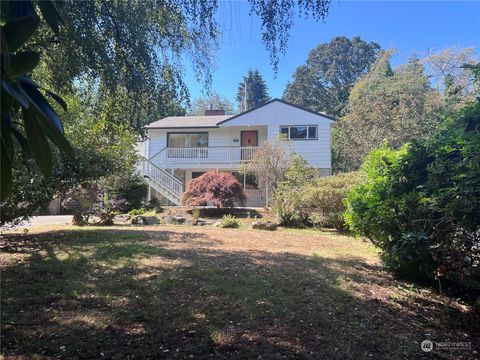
point(168, 182)
point(218, 154)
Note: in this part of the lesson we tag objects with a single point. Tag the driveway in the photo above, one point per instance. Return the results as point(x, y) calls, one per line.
point(47, 220)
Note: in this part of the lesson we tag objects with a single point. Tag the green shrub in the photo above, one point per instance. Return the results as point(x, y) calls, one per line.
point(229, 221)
point(132, 188)
point(325, 199)
point(421, 204)
point(290, 197)
point(135, 212)
point(305, 198)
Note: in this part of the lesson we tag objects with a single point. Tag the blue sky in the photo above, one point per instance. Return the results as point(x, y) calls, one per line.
point(421, 27)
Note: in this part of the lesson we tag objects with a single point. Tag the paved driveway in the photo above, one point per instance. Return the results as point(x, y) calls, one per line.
point(47, 220)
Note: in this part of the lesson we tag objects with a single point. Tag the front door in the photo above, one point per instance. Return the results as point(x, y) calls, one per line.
point(249, 139)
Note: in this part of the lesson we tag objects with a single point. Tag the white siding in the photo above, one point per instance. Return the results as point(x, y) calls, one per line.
point(267, 121)
point(275, 114)
point(216, 137)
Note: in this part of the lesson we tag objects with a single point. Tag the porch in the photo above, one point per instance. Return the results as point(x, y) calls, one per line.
point(208, 157)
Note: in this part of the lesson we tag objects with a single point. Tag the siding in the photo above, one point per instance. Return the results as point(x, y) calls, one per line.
point(316, 152)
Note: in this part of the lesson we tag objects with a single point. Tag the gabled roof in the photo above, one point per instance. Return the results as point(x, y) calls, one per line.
point(173, 122)
point(213, 121)
point(283, 102)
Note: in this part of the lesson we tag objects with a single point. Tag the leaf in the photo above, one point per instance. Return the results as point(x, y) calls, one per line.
point(22, 141)
point(22, 63)
point(50, 14)
point(48, 118)
point(6, 103)
point(38, 143)
point(16, 93)
point(6, 151)
point(57, 98)
point(20, 30)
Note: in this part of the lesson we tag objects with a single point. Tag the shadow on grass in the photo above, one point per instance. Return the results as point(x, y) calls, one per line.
point(162, 294)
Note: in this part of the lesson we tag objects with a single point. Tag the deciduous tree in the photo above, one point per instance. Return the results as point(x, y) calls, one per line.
point(323, 84)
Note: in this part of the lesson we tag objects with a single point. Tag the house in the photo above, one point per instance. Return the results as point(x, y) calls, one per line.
point(181, 148)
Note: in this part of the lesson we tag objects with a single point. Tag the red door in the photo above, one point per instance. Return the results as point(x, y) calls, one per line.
point(249, 138)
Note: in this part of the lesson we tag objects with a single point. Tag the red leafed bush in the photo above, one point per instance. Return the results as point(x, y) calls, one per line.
point(218, 189)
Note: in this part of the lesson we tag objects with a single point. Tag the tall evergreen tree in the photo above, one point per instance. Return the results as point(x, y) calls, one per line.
point(252, 91)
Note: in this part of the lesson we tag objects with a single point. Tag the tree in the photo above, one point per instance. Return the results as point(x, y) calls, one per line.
point(219, 189)
point(252, 91)
point(214, 101)
point(269, 164)
point(323, 84)
point(102, 149)
point(128, 51)
point(397, 106)
point(450, 70)
point(421, 204)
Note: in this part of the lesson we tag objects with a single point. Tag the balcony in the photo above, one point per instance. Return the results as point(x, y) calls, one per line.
point(204, 157)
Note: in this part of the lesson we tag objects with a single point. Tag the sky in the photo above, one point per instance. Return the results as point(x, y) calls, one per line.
point(422, 27)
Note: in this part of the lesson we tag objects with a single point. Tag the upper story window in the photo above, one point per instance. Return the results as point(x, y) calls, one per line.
point(187, 140)
point(300, 132)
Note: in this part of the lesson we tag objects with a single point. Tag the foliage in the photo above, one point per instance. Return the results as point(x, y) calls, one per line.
point(421, 204)
point(214, 101)
point(93, 199)
point(397, 106)
point(139, 211)
point(131, 187)
point(154, 204)
point(451, 70)
point(252, 91)
point(269, 164)
point(323, 83)
point(289, 197)
point(325, 199)
point(28, 119)
point(102, 149)
point(219, 189)
point(229, 221)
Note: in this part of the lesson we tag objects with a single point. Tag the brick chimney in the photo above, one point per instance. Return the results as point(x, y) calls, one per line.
point(210, 112)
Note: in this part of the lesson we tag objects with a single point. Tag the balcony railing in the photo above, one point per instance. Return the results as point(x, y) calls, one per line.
point(218, 154)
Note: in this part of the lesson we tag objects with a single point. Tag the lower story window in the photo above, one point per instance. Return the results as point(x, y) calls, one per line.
point(248, 181)
point(299, 132)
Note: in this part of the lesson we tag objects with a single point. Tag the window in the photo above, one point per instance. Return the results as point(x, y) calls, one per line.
point(187, 140)
point(196, 174)
point(299, 132)
point(248, 180)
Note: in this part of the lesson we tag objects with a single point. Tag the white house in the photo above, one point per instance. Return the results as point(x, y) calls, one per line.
point(181, 148)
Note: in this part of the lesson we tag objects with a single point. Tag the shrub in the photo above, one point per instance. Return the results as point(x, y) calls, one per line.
point(135, 212)
point(325, 199)
point(154, 204)
point(133, 188)
point(218, 189)
point(421, 204)
point(229, 221)
point(290, 198)
point(92, 199)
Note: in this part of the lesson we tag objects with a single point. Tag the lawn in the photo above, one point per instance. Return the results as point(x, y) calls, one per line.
point(205, 293)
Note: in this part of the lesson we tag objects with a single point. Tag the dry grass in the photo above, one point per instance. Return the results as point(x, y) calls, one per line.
point(188, 292)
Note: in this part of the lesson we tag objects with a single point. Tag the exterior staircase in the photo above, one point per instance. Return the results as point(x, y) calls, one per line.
point(162, 181)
